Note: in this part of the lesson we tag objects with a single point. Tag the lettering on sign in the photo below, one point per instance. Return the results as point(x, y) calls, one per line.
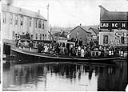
point(123, 25)
point(113, 25)
point(104, 25)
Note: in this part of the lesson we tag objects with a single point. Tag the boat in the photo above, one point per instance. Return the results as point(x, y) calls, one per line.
point(23, 55)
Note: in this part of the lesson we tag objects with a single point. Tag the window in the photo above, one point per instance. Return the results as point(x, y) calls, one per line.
point(36, 36)
point(4, 18)
point(36, 22)
point(105, 39)
point(39, 24)
point(21, 21)
point(13, 34)
point(43, 36)
point(31, 36)
point(11, 18)
point(40, 36)
point(16, 20)
point(30, 20)
point(122, 40)
point(42, 24)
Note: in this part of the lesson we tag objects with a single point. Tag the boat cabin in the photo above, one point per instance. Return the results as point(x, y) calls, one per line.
point(64, 43)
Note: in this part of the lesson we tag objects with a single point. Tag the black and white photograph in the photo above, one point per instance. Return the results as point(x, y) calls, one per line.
point(63, 45)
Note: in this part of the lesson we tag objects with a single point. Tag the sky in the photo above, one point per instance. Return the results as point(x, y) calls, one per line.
point(70, 13)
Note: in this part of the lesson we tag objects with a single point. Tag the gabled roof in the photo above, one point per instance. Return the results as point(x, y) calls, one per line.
point(95, 30)
point(106, 15)
point(81, 28)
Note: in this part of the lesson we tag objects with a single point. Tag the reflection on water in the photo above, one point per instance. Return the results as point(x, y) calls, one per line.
point(65, 76)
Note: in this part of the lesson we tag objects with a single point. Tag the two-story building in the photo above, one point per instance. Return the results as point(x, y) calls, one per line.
point(19, 21)
point(113, 28)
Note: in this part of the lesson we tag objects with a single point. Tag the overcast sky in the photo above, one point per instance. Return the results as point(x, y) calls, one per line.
point(70, 13)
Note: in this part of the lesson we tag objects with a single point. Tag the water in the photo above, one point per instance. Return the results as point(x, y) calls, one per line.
point(58, 76)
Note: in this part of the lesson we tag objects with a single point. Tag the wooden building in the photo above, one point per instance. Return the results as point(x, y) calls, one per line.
point(80, 33)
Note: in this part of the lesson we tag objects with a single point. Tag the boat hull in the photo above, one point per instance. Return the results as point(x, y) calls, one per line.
point(32, 57)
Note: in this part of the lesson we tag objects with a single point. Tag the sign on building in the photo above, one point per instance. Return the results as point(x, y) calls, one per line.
point(113, 25)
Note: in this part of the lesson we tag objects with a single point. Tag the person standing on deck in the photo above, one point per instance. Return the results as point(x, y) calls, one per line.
point(25, 44)
point(30, 45)
point(85, 51)
point(45, 48)
point(39, 47)
point(73, 51)
point(27, 35)
point(19, 43)
point(82, 52)
point(68, 48)
point(79, 51)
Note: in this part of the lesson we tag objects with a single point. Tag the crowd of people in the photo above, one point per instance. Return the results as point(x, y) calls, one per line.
point(69, 49)
point(87, 50)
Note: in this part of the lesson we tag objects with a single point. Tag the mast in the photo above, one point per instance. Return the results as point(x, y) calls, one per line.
point(48, 29)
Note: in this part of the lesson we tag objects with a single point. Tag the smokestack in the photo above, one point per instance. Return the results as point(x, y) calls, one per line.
point(9, 2)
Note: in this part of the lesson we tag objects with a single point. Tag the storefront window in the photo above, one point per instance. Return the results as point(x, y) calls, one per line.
point(105, 39)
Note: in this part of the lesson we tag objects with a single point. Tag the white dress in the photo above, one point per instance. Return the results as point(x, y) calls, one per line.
point(82, 52)
point(45, 49)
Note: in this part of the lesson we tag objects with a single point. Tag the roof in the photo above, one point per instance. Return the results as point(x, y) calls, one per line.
point(95, 30)
point(17, 10)
point(106, 15)
point(61, 34)
point(81, 28)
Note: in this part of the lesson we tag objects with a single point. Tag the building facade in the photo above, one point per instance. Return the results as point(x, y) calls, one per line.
point(113, 27)
point(80, 34)
point(18, 21)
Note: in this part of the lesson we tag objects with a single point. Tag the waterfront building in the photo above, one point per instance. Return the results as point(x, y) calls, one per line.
point(19, 21)
point(113, 28)
point(94, 33)
point(80, 33)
